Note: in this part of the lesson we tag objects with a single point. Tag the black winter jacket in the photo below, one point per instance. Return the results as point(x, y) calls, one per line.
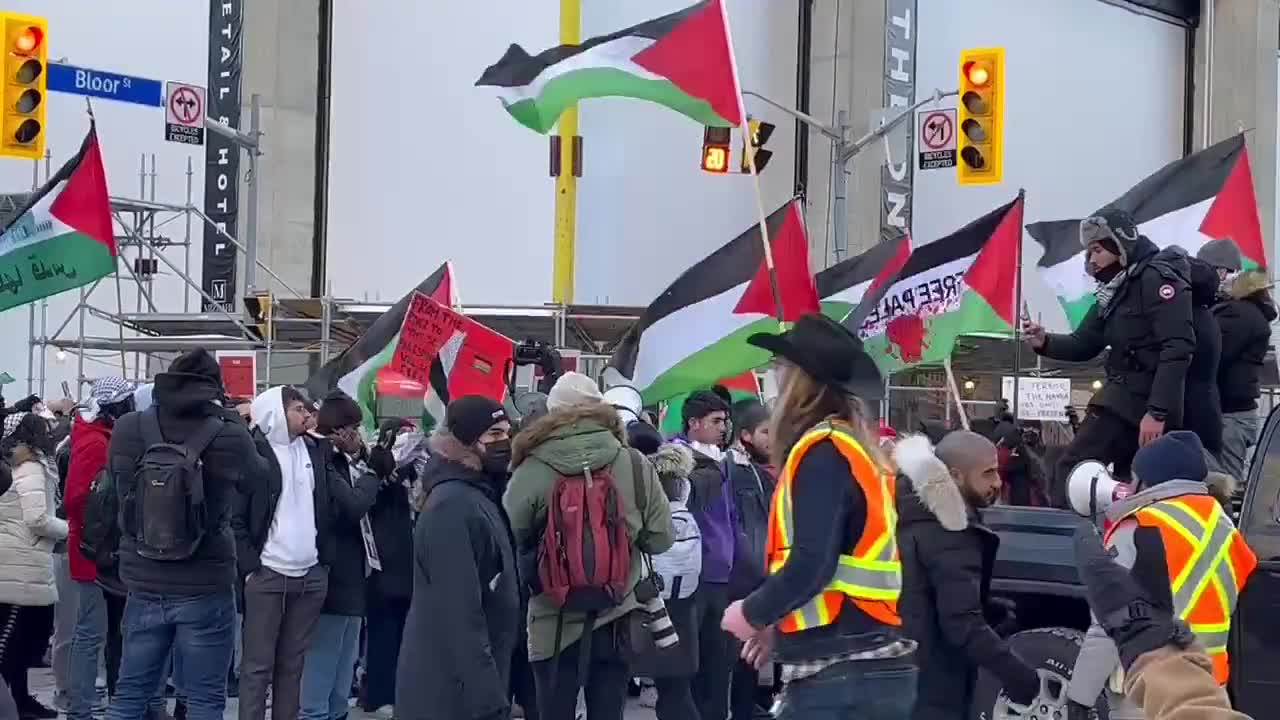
point(1245, 321)
point(752, 487)
point(255, 507)
point(392, 519)
point(346, 594)
point(464, 619)
point(184, 402)
point(1204, 415)
point(1148, 326)
point(947, 558)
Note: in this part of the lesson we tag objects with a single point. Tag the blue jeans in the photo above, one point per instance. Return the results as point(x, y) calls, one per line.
point(328, 668)
point(867, 690)
point(199, 631)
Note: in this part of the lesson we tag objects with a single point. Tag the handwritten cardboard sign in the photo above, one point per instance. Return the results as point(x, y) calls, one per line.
point(472, 356)
point(1039, 398)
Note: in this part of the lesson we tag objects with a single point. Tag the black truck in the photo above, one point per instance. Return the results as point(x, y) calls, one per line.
point(1035, 568)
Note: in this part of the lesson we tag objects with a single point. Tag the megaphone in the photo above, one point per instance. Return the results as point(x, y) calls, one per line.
point(1091, 489)
point(626, 400)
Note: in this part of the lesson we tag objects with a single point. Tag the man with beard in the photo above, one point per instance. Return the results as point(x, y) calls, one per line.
point(1143, 313)
point(947, 558)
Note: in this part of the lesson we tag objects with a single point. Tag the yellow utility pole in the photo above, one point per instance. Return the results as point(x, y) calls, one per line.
point(567, 182)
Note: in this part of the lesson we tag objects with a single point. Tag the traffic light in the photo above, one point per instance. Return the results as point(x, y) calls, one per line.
point(980, 115)
point(760, 133)
point(26, 59)
point(715, 150)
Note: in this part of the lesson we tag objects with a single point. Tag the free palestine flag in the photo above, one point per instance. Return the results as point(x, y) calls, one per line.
point(958, 285)
point(696, 331)
point(62, 239)
point(356, 370)
point(683, 61)
point(1205, 196)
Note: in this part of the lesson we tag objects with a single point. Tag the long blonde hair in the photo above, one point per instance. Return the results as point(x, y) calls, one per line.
point(804, 402)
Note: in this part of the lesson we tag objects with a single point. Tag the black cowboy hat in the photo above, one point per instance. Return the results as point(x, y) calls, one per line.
point(827, 351)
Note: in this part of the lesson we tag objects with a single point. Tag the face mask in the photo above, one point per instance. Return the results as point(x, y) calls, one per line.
point(1105, 274)
point(497, 457)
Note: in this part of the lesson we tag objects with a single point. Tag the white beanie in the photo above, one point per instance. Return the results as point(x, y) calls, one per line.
point(573, 389)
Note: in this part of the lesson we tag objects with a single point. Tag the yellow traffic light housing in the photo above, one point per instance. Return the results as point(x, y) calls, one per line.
point(715, 150)
point(980, 117)
point(760, 133)
point(26, 62)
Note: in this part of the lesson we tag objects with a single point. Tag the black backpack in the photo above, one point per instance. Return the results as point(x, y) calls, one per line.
point(100, 529)
point(170, 514)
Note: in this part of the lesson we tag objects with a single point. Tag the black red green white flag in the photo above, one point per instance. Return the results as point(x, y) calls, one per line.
point(1205, 196)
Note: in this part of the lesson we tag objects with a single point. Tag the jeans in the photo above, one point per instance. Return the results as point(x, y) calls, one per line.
point(329, 667)
point(386, 630)
point(675, 699)
point(605, 687)
point(716, 657)
point(746, 694)
point(1239, 434)
point(867, 690)
point(198, 630)
point(280, 615)
point(64, 623)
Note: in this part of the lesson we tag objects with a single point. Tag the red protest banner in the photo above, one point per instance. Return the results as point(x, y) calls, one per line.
point(472, 355)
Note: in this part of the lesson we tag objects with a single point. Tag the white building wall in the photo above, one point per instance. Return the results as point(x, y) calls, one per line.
point(1123, 70)
point(157, 39)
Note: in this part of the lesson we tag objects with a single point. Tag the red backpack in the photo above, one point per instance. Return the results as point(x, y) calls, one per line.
point(584, 558)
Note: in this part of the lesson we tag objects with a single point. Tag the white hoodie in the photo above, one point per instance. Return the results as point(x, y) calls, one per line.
point(291, 543)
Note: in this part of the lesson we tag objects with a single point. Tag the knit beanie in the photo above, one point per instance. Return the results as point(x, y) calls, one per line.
point(197, 362)
point(1178, 455)
point(573, 389)
point(468, 417)
point(1221, 253)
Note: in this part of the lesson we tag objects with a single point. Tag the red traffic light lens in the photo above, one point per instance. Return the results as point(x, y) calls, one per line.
point(28, 39)
point(977, 74)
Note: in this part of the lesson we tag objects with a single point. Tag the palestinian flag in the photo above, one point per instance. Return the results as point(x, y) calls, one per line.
point(961, 284)
point(62, 238)
point(683, 61)
point(1205, 196)
point(740, 387)
point(696, 331)
point(361, 370)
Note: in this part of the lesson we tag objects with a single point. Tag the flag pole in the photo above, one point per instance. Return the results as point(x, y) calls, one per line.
point(1017, 310)
point(955, 392)
point(751, 164)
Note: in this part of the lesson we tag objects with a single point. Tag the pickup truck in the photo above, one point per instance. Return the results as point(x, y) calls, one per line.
point(1035, 568)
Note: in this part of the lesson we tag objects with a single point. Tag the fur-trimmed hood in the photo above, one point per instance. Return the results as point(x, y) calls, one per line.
point(568, 438)
point(445, 446)
point(935, 491)
point(450, 460)
point(22, 453)
point(1247, 283)
point(672, 460)
point(1221, 486)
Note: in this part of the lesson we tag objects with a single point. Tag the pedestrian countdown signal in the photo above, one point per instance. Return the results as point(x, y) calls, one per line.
point(980, 116)
point(26, 59)
point(715, 150)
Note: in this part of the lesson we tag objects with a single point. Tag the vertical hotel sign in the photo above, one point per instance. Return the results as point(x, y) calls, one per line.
point(222, 157)
point(899, 93)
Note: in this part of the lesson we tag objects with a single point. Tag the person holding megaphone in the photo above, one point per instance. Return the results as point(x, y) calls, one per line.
point(1177, 541)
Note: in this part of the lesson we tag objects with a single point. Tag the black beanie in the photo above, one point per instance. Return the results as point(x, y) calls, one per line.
point(643, 437)
point(337, 411)
point(1178, 455)
point(197, 362)
point(468, 417)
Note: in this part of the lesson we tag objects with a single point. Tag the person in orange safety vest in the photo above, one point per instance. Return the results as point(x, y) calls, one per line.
point(1174, 533)
point(828, 609)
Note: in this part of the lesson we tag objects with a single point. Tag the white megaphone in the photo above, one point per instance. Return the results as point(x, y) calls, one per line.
point(1091, 489)
point(626, 400)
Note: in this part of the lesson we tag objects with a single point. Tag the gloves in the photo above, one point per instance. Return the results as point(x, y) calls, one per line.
point(1001, 615)
point(1021, 681)
point(1134, 607)
point(1076, 711)
point(381, 461)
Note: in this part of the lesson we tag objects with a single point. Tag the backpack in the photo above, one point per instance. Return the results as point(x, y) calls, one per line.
point(170, 514)
point(584, 557)
point(100, 529)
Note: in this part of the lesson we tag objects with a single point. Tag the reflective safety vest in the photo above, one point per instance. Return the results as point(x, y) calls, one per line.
point(1209, 563)
point(872, 576)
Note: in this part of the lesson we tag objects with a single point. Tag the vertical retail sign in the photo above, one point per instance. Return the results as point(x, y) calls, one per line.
point(222, 157)
point(899, 94)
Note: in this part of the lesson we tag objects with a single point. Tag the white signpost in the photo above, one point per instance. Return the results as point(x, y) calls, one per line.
point(1039, 398)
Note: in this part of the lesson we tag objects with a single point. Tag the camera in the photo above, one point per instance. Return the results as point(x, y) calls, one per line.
point(649, 595)
point(546, 357)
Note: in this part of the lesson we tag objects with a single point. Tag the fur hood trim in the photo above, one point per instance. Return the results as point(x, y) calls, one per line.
point(21, 454)
point(672, 460)
point(548, 425)
point(1221, 486)
point(447, 447)
point(1247, 283)
point(931, 481)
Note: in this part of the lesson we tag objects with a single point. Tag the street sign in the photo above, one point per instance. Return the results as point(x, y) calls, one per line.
point(102, 84)
point(937, 139)
point(184, 113)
